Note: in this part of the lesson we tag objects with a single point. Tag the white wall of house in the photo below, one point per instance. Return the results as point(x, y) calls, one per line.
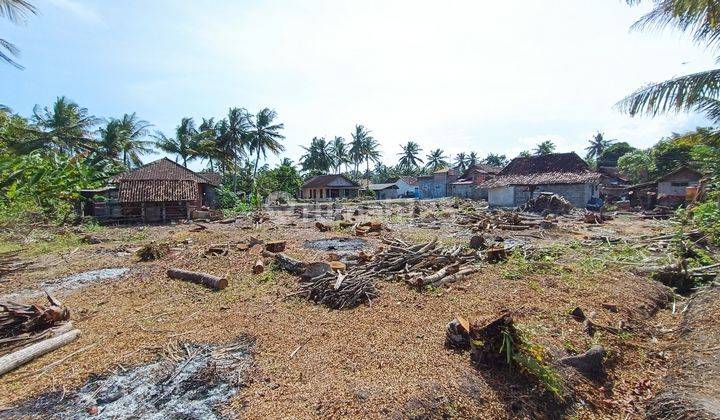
point(502, 196)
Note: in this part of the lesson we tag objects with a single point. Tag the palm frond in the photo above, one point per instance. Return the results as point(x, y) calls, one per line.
point(683, 93)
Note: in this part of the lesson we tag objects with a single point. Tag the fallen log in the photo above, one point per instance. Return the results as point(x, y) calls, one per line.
point(217, 283)
point(14, 360)
point(289, 263)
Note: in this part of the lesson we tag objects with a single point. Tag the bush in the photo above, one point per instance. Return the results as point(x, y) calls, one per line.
point(227, 199)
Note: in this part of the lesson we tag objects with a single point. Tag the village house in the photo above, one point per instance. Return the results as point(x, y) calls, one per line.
point(565, 174)
point(613, 186)
point(403, 187)
point(672, 189)
point(159, 191)
point(437, 185)
point(329, 187)
point(468, 183)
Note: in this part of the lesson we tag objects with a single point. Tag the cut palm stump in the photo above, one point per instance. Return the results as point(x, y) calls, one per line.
point(22, 324)
point(275, 246)
point(217, 283)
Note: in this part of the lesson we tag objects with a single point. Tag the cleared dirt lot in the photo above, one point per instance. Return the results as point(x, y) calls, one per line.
point(385, 359)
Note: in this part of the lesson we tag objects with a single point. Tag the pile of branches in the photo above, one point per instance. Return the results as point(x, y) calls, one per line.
point(546, 204)
point(339, 290)
point(21, 324)
point(422, 264)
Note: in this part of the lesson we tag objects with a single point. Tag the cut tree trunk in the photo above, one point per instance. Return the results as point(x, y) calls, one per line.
point(275, 246)
point(217, 283)
point(289, 263)
point(259, 267)
point(20, 357)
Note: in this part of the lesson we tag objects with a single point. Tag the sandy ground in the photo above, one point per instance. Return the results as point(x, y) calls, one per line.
point(385, 359)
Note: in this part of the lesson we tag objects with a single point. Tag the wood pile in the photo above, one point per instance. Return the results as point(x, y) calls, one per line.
point(20, 323)
point(30, 331)
point(503, 219)
point(546, 204)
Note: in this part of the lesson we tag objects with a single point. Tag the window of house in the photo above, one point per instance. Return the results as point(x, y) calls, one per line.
point(679, 184)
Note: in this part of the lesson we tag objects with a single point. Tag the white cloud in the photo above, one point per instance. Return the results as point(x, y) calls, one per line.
point(79, 10)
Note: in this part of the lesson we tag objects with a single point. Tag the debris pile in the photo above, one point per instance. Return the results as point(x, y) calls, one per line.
point(152, 251)
point(30, 331)
point(505, 220)
point(547, 203)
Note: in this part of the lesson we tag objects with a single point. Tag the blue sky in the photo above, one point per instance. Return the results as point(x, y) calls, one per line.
point(460, 75)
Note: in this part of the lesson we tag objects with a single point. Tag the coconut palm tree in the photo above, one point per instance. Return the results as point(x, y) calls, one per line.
point(698, 92)
point(16, 11)
point(318, 157)
point(545, 148)
point(183, 144)
point(371, 153)
point(264, 136)
point(461, 161)
point(126, 137)
point(495, 160)
point(359, 139)
point(597, 146)
point(207, 143)
point(436, 160)
point(235, 138)
point(409, 158)
point(472, 159)
point(339, 153)
point(66, 126)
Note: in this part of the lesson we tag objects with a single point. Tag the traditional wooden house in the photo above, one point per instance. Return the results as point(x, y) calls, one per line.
point(468, 183)
point(565, 174)
point(159, 191)
point(329, 187)
point(402, 187)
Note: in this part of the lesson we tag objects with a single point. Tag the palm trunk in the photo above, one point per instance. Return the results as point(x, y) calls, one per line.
point(235, 169)
point(257, 159)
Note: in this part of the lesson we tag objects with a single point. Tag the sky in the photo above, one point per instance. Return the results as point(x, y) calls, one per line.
point(489, 77)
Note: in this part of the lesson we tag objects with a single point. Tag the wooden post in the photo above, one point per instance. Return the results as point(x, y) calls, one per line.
point(163, 212)
point(142, 211)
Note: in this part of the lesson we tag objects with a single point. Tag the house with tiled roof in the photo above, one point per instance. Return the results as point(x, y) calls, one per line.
point(329, 187)
point(159, 191)
point(565, 174)
point(468, 183)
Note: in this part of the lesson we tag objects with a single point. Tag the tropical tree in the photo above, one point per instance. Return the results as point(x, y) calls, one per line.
point(525, 153)
point(339, 152)
point(461, 161)
point(359, 139)
point(236, 137)
point(545, 148)
point(597, 146)
point(698, 92)
point(436, 160)
point(207, 144)
point(370, 152)
point(610, 156)
point(495, 160)
point(637, 166)
point(16, 11)
point(264, 136)
point(472, 159)
point(182, 144)
point(65, 127)
point(126, 137)
point(409, 158)
point(318, 157)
